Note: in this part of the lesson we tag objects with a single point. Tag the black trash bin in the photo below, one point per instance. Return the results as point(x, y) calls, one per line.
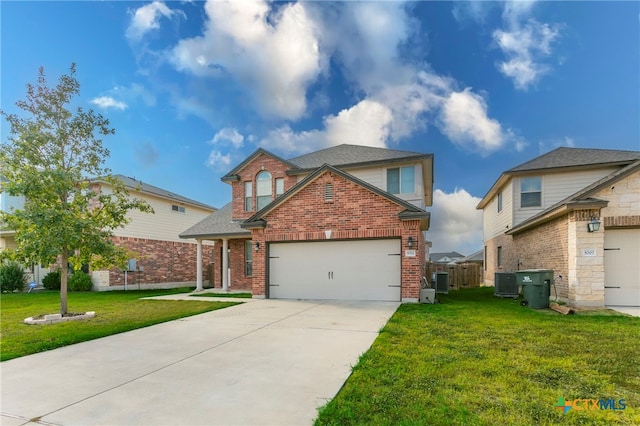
point(536, 286)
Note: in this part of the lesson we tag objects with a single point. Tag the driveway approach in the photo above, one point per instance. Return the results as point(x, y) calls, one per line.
point(263, 362)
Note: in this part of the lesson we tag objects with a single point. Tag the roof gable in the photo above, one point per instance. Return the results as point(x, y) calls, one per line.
point(410, 211)
point(561, 159)
point(233, 174)
point(578, 200)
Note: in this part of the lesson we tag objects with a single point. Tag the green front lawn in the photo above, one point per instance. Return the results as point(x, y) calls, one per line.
point(116, 312)
point(479, 360)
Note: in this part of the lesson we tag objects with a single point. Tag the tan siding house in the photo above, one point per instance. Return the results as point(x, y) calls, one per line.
point(162, 258)
point(558, 198)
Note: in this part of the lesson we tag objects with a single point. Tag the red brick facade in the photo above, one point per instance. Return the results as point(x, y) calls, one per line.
point(237, 261)
point(162, 262)
point(248, 174)
point(354, 213)
point(547, 247)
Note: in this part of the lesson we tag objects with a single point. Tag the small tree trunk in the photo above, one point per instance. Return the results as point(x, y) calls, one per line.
point(64, 274)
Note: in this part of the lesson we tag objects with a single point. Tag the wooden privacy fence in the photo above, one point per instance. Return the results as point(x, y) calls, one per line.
point(461, 275)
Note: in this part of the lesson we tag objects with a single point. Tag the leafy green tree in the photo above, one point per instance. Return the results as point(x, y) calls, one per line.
point(54, 157)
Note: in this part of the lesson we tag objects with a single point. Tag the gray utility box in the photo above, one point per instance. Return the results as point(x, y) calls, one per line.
point(428, 295)
point(536, 286)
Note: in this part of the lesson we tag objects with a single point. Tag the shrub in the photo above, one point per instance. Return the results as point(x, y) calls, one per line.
point(80, 281)
point(51, 281)
point(12, 277)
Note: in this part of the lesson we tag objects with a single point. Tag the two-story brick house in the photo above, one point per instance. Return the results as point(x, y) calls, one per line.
point(543, 214)
point(345, 222)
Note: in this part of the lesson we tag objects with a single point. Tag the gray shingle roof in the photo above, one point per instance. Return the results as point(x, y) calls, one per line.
point(150, 189)
point(217, 224)
point(571, 157)
point(351, 154)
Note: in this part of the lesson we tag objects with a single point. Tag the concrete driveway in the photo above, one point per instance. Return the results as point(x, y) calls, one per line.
point(263, 362)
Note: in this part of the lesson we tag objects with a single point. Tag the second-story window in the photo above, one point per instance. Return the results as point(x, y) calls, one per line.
point(248, 196)
point(263, 189)
point(401, 180)
point(531, 192)
point(279, 186)
point(499, 201)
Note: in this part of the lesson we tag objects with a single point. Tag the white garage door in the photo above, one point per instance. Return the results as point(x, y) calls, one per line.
point(622, 267)
point(335, 270)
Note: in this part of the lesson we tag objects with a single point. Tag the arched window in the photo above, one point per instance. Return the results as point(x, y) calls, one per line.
point(263, 189)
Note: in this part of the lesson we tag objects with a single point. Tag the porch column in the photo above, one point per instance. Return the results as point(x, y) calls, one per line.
point(199, 265)
point(225, 264)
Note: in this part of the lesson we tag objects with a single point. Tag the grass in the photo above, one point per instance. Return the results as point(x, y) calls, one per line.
point(116, 312)
point(234, 295)
point(479, 360)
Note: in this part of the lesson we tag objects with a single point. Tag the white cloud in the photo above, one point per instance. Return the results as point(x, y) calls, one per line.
point(366, 123)
point(456, 225)
point(225, 140)
point(147, 18)
point(465, 121)
point(228, 135)
point(107, 102)
point(525, 43)
point(273, 54)
point(218, 160)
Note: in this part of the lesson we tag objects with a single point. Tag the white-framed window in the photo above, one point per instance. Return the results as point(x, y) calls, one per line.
point(178, 209)
point(499, 201)
point(279, 186)
point(401, 180)
point(248, 258)
point(531, 191)
point(263, 189)
point(248, 196)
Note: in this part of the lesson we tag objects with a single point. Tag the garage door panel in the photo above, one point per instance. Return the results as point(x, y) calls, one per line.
point(622, 267)
point(356, 270)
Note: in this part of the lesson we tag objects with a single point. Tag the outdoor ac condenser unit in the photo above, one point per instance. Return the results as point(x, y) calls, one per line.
point(442, 282)
point(506, 285)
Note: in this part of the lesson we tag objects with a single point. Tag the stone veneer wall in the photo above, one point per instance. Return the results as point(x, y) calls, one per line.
point(586, 271)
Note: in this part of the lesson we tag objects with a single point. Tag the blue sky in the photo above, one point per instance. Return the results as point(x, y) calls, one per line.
point(192, 88)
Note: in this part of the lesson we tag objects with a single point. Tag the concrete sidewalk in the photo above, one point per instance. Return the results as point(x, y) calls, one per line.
point(267, 362)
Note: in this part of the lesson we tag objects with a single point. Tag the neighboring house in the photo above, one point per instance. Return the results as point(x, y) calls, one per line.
point(7, 236)
point(543, 214)
point(162, 259)
point(477, 257)
point(345, 222)
point(450, 257)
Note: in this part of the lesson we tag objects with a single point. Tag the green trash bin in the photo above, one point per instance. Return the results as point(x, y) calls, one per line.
point(536, 286)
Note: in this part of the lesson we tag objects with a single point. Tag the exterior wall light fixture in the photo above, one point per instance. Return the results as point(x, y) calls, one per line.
point(410, 241)
point(257, 245)
point(593, 225)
